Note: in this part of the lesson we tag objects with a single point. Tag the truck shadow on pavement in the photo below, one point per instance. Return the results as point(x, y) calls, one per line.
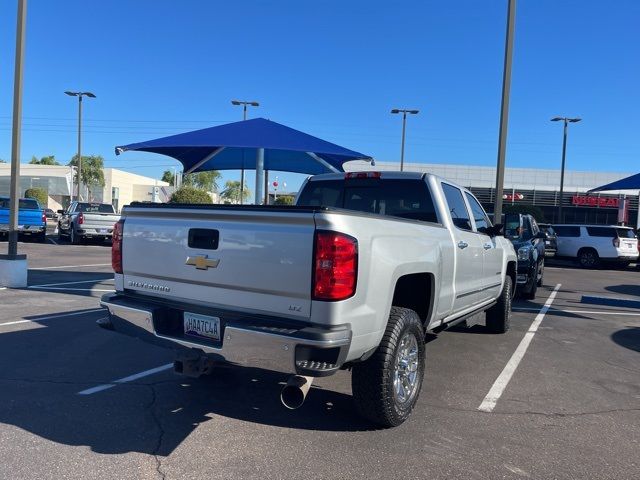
point(46, 366)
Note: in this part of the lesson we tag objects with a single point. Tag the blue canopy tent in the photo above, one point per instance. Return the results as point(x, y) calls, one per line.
point(628, 183)
point(257, 143)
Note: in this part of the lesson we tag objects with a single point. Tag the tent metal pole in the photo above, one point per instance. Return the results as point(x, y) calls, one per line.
point(266, 187)
point(323, 162)
point(259, 175)
point(204, 160)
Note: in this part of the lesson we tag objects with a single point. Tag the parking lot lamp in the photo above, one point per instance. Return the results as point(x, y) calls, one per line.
point(244, 117)
point(566, 121)
point(79, 95)
point(404, 127)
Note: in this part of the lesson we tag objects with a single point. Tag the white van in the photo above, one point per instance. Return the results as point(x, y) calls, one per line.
point(591, 244)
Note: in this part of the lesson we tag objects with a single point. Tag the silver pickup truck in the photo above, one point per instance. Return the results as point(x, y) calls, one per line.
point(85, 220)
point(351, 277)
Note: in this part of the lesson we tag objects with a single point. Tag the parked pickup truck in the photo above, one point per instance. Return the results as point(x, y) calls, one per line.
point(350, 278)
point(528, 241)
point(31, 219)
point(84, 220)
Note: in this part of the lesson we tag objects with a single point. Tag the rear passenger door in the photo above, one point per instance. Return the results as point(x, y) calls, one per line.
point(469, 252)
point(493, 253)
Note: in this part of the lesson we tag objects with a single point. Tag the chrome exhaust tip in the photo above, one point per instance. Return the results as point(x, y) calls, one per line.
point(295, 391)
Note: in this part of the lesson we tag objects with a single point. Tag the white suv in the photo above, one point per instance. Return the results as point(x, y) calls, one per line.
point(592, 243)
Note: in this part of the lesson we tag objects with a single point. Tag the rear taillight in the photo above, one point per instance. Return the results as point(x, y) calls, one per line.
point(80, 218)
point(335, 266)
point(616, 242)
point(44, 217)
point(116, 247)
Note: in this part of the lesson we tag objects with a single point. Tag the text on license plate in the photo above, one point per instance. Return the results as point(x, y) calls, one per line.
point(201, 326)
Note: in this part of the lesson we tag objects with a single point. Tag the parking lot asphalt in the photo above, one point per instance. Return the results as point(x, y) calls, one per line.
point(77, 401)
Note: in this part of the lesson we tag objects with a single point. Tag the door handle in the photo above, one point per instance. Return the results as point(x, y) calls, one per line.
point(462, 244)
point(487, 246)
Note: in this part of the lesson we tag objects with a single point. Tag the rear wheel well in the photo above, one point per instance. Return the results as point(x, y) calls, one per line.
point(415, 292)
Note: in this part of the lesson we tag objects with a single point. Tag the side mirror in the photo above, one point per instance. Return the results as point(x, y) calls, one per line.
point(60, 211)
point(494, 230)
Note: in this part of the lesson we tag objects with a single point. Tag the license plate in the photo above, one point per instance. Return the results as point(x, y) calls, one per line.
point(102, 230)
point(547, 242)
point(201, 326)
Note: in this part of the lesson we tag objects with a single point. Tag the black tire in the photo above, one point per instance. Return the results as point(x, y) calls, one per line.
point(499, 316)
point(588, 258)
point(530, 293)
point(41, 237)
point(372, 381)
point(73, 238)
point(541, 280)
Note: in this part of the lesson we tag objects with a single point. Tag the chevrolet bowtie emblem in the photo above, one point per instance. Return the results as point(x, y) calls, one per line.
point(201, 262)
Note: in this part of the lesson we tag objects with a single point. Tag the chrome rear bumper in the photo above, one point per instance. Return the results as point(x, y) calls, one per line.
point(312, 351)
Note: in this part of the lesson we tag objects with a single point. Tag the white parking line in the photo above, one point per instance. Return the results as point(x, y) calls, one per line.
point(49, 317)
point(96, 280)
point(590, 312)
point(52, 241)
point(130, 378)
point(489, 402)
point(73, 266)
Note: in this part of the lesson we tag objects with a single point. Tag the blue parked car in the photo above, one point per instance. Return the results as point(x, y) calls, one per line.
point(32, 221)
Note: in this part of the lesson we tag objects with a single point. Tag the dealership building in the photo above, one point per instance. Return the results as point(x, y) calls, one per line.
point(121, 188)
point(538, 187)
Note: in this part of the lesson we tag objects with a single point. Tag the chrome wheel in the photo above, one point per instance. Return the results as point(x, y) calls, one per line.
point(405, 374)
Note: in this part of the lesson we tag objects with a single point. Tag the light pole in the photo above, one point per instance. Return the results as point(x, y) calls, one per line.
point(244, 117)
point(404, 127)
point(79, 95)
point(566, 121)
point(504, 110)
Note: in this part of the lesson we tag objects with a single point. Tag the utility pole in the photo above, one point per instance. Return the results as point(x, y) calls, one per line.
point(404, 128)
point(504, 110)
point(79, 95)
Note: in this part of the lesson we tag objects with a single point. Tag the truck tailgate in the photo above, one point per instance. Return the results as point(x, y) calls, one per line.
point(104, 220)
point(252, 260)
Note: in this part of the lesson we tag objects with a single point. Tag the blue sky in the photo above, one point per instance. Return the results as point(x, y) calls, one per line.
point(333, 69)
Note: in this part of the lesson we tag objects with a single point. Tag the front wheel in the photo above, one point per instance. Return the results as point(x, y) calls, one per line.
point(499, 316)
point(387, 385)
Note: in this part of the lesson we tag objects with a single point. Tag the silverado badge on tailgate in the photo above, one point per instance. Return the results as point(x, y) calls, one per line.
point(202, 262)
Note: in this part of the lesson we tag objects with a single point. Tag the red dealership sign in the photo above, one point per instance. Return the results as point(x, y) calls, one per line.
point(595, 201)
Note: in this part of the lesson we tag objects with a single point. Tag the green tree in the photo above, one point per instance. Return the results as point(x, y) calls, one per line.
point(188, 194)
point(231, 191)
point(92, 171)
point(168, 177)
point(203, 180)
point(40, 194)
point(536, 212)
point(284, 200)
point(48, 160)
point(2, 161)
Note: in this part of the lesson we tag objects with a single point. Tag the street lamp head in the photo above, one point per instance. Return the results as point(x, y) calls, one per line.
point(413, 112)
point(88, 94)
point(254, 104)
point(556, 119)
point(395, 110)
point(235, 102)
point(72, 94)
point(573, 120)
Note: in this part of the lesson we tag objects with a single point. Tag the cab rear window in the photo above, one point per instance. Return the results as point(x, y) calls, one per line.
point(23, 204)
point(95, 208)
point(396, 198)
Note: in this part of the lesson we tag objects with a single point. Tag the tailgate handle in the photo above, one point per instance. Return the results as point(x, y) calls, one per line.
point(204, 238)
